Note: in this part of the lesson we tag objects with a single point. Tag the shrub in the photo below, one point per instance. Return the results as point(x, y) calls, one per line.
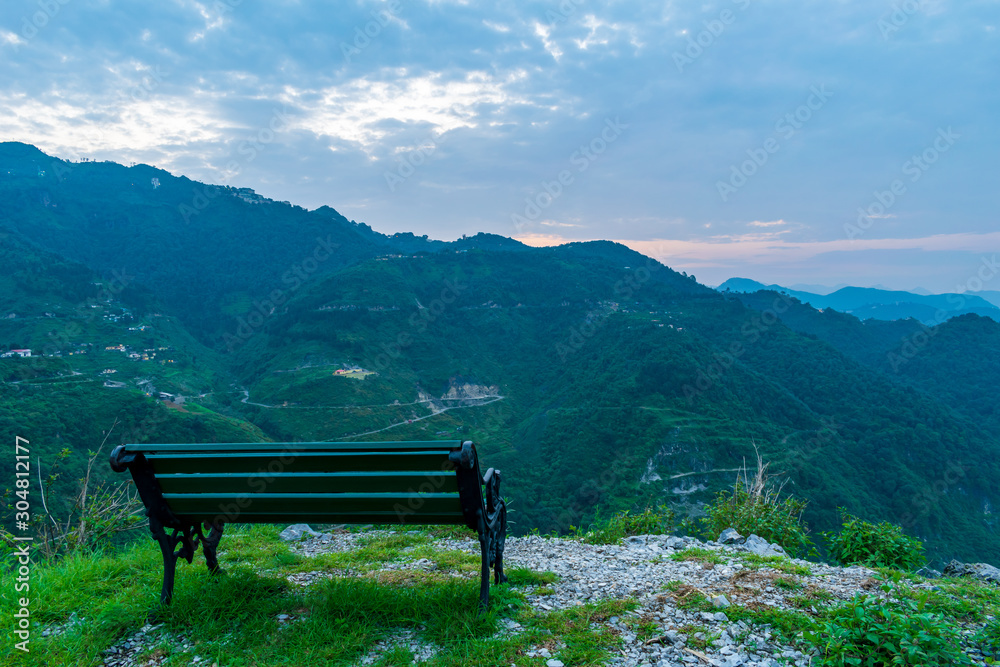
point(893, 630)
point(755, 506)
point(651, 521)
point(988, 639)
point(100, 511)
point(875, 545)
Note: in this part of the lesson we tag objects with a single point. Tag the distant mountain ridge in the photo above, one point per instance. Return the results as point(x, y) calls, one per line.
point(871, 303)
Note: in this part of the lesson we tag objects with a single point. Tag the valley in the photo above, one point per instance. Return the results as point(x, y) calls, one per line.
point(597, 379)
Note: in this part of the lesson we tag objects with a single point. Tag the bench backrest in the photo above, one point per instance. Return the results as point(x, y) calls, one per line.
point(324, 482)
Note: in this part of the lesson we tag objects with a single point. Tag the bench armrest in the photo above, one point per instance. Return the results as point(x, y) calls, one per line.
point(119, 459)
point(464, 457)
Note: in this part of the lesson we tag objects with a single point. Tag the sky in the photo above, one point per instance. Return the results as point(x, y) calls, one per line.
point(787, 141)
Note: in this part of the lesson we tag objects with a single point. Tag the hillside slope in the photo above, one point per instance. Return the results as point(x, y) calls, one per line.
point(955, 362)
point(213, 253)
point(597, 377)
point(102, 353)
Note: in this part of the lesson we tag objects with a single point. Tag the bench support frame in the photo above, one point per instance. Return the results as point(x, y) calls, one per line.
point(187, 534)
point(484, 513)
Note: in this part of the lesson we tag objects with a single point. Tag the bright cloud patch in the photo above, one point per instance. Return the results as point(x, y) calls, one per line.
point(118, 126)
point(364, 110)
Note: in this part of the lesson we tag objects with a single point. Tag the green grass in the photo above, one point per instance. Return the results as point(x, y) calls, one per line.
point(786, 623)
point(988, 639)
point(612, 530)
point(908, 626)
point(689, 598)
point(779, 563)
point(811, 597)
point(522, 576)
point(397, 656)
point(787, 584)
point(232, 619)
point(373, 551)
point(451, 559)
point(698, 554)
point(897, 630)
point(452, 532)
point(698, 636)
point(584, 644)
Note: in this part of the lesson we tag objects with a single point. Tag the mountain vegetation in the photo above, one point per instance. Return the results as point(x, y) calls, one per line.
point(597, 379)
point(871, 303)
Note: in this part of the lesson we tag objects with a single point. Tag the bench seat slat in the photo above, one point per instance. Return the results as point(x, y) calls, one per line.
point(282, 447)
point(310, 482)
point(270, 462)
point(416, 519)
point(219, 504)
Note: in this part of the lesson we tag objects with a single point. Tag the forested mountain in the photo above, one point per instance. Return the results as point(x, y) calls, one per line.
point(870, 303)
point(591, 375)
point(598, 377)
point(956, 362)
point(209, 251)
point(102, 353)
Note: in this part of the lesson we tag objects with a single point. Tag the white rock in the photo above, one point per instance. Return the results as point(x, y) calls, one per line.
point(296, 532)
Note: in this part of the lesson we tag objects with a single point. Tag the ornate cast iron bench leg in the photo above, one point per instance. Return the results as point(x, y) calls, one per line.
point(170, 554)
point(498, 544)
point(167, 544)
point(210, 545)
point(486, 548)
point(496, 510)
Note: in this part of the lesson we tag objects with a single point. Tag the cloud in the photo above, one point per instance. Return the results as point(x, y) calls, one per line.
point(541, 240)
point(7, 37)
point(720, 250)
point(506, 93)
point(367, 111)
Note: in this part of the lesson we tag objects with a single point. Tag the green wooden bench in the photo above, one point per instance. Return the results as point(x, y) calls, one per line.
point(192, 491)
